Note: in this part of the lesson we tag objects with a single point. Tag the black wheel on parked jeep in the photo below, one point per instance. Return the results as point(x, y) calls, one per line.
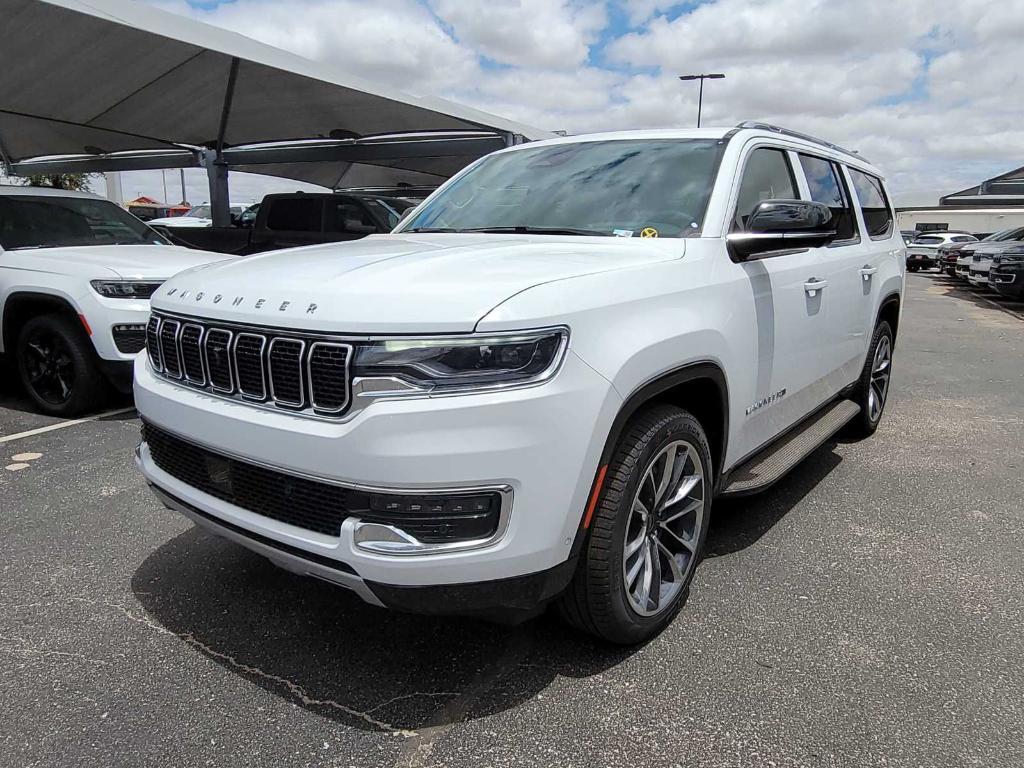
point(872, 389)
point(911, 269)
point(57, 366)
point(647, 532)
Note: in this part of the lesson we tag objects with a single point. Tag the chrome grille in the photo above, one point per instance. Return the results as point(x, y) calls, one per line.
point(217, 350)
point(249, 365)
point(153, 343)
point(301, 372)
point(169, 348)
point(192, 355)
point(286, 385)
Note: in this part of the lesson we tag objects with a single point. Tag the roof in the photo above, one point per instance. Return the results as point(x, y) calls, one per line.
point(1006, 189)
point(96, 77)
point(17, 189)
point(714, 133)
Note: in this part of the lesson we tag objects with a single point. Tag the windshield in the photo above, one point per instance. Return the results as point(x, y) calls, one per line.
point(1015, 233)
point(633, 188)
point(200, 212)
point(28, 221)
point(928, 240)
point(388, 209)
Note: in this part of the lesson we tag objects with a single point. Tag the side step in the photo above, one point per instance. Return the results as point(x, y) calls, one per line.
point(771, 464)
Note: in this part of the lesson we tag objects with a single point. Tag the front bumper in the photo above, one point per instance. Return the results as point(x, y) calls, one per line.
point(543, 443)
point(1007, 279)
point(978, 278)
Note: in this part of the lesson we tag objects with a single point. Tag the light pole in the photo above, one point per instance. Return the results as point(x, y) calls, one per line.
point(700, 93)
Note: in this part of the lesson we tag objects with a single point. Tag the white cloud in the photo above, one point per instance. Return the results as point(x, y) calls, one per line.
point(927, 90)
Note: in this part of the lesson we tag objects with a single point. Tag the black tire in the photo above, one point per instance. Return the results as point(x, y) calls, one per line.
point(951, 272)
point(58, 368)
point(596, 602)
point(911, 269)
point(867, 421)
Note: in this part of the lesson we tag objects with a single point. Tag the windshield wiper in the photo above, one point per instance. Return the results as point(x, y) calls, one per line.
point(522, 230)
point(431, 229)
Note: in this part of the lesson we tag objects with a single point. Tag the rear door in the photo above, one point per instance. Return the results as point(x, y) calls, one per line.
point(881, 251)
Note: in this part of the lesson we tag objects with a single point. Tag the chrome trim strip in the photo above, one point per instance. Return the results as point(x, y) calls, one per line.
point(199, 349)
point(227, 351)
point(263, 366)
point(270, 372)
point(349, 352)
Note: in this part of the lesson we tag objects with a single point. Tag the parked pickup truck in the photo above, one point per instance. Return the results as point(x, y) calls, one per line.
point(298, 218)
point(76, 274)
point(535, 388)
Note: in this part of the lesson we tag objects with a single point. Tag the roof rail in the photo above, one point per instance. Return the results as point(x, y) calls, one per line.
point(753, 124)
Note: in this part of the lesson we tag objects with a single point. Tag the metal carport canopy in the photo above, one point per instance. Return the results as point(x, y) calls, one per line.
point(85, 80)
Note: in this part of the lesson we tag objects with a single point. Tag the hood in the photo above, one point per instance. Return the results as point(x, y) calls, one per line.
point(988, 249)
point(403, 283)
point(142, 262)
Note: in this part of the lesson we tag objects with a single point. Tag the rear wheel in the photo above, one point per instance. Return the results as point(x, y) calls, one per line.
point(57, 366)
point(872, 390)
point(648, 530)
point(911, 269)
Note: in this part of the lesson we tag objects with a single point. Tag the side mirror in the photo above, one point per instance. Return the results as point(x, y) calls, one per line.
point(782, 225)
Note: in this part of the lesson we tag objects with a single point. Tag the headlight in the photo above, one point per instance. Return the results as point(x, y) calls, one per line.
point(125, 289)
point(460, 364)
point(1012, 257)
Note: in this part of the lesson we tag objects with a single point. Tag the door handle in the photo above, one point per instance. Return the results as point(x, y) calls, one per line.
point(867, 271)
point(814, 285)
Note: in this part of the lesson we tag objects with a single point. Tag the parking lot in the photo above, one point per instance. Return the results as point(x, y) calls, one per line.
point(867, 611)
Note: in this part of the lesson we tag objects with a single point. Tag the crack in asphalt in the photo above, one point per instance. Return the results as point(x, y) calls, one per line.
point(297, 691)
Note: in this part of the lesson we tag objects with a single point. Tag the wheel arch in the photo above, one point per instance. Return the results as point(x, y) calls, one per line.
point(22, 306)
point(699, 387)
point(890, 310)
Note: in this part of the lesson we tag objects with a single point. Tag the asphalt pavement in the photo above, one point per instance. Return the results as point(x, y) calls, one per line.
point(867, 611)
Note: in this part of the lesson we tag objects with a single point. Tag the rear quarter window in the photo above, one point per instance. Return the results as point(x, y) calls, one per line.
point(873, 204)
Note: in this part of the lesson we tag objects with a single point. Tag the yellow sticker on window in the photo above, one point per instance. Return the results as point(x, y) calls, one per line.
point(648, 232)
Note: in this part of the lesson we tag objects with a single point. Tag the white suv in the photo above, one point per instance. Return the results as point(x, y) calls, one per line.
point(76, 274)
point(535, 387)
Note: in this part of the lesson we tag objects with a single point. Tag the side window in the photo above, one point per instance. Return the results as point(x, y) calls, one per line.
point(296, 214)
point(826, 187)
point(873, 204)
point(766, 176)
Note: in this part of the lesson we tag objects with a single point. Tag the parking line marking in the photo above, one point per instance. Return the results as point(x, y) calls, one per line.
point(62, 425)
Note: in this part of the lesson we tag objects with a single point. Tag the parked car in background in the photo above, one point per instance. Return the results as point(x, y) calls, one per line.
point(922, 253)
point(76, 274)
point(1006, 274)
point(534, 389)
point(198, 216)
point(950, 258)
point(299, 218)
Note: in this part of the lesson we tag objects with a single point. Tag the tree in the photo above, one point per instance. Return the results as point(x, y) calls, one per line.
point(75, 182)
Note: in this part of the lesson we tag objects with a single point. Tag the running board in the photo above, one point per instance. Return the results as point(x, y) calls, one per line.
point(771, 464)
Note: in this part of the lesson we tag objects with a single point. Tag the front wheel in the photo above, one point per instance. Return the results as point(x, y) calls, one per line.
point(57, 366)
point(872, 389)
point(648, 530)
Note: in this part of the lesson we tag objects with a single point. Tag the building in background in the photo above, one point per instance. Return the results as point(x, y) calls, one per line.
point(992, 205)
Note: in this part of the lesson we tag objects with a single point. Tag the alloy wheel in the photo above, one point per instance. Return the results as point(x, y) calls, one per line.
point(880, 369)
point(50, 367)
point(664, 527)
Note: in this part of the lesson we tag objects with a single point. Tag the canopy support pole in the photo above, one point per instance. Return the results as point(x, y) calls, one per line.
point(216, 166)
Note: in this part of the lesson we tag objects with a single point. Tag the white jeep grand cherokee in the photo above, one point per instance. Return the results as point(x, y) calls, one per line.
point(533, 389)
point(76, 274)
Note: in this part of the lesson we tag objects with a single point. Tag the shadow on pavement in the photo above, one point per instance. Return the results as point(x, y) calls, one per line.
point(979, 297)
point(739, 522)
point(322, 648)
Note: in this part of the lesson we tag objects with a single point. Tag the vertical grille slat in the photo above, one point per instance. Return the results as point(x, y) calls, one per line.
point(169, 348)
point(290, 370)
point(218, 359)
point(191, 354)
point(286, 381)
point(249, 366)
point(153, 343)
point(328, 376)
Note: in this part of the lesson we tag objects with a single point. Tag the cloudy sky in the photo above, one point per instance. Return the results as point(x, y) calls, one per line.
point(931, 90)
